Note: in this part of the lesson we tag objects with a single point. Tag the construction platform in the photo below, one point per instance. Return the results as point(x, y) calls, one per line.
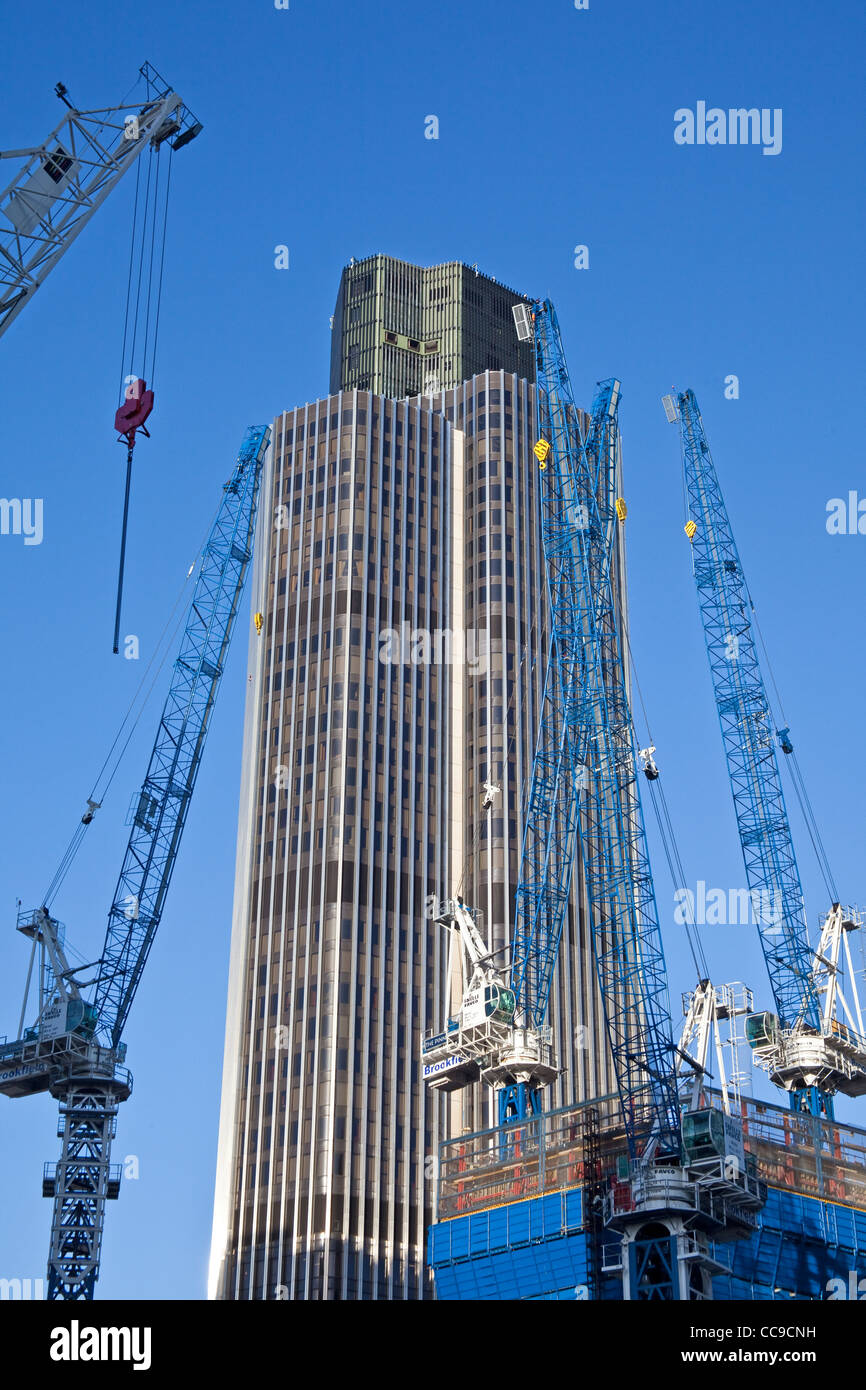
point(519, 1210)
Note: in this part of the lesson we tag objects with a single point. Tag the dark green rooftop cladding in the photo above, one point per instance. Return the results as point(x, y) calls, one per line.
point(405, 330)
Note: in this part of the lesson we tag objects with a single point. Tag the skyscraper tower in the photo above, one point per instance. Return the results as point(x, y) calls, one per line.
point(399, 667)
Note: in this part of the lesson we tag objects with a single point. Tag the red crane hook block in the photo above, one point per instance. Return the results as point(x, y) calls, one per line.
point(136, 407)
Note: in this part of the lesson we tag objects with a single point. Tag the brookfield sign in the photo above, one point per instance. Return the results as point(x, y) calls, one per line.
point(447, 1064)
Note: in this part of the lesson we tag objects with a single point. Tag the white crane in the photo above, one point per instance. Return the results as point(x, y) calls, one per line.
point(62, 182)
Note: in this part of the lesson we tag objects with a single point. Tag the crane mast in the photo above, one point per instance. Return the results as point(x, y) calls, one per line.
point(806, 1048)
point(585, 625)
point(74, 1049)
point(507, 1040)
point(584, 788)
point(63, 182)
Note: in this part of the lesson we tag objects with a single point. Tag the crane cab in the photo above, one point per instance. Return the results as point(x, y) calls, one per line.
point(499, 1004)
point(711, 1134)
point(490, 1003)
point(762, 1030)
point(68, 1016)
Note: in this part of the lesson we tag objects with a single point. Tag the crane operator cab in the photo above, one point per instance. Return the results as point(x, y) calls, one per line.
point(63, 1016)
point(499, 1003)
point(711, 1134)
point(490, 1003)
point(762, 1030)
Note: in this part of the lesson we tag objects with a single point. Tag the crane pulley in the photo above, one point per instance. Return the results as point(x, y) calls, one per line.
point(143, 300)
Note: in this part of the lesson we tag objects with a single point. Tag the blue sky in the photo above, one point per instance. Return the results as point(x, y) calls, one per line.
point(556, 129)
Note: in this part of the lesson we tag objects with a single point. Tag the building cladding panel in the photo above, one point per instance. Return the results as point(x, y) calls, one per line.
point(402, 329)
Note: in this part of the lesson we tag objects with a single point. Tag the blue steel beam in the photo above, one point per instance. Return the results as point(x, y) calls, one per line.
point(626, 934)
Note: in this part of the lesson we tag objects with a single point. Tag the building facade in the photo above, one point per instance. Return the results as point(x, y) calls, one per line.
point(342, 841)
point(400, 578)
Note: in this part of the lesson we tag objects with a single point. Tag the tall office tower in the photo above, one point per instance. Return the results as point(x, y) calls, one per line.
point(345, 831)
point(400, 664)
point(400, 329)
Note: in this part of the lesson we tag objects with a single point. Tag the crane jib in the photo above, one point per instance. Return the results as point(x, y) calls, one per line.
point(747, 727)
point(158, 823)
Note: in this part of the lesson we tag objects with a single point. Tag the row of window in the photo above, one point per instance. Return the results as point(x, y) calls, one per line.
point(480, 497)
point(294, 481)
point(480, 597)
point(495, 569)
point(322, 426)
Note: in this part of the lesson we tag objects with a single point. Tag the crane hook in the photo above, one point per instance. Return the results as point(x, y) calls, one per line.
point(129, 417)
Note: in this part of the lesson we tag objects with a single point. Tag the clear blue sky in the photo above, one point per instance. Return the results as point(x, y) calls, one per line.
point(556, 129)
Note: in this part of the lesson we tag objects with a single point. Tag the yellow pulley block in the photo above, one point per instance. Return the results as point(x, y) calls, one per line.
point(621, 509)
point(259, 621)
point(690, 528)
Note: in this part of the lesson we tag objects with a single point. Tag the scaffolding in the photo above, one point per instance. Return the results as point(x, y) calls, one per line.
point(583, 1146)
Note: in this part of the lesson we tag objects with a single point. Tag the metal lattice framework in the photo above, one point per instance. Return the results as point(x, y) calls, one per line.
point(551, 818)
point(748, 734)
point(586, 742)
point(167, 788)
point(82, 1182)
point(626, 934)
point(63, 181)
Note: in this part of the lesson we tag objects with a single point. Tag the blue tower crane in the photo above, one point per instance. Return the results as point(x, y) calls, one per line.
point(586, 725)
point(584, 788)
point(74, 1049)
point(508, 1008)
point(804, 1047)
